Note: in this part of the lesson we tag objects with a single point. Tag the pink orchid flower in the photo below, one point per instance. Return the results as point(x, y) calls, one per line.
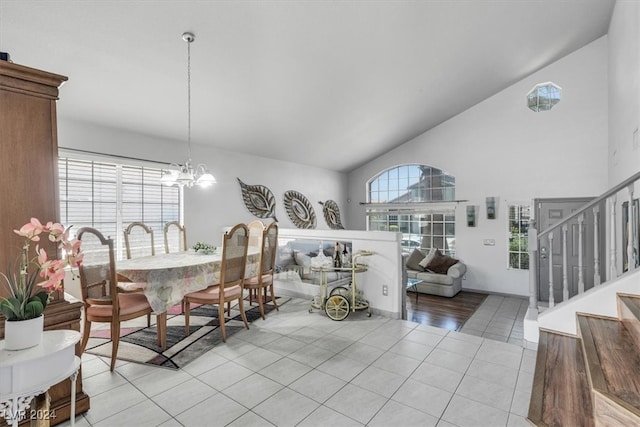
point(54, 282)
point(23, 281)
point(42, 255)
point(75, 260)
point(52, 268)
point(56, 231)
point(71, 251)
point(75, 257)
point(31, 230)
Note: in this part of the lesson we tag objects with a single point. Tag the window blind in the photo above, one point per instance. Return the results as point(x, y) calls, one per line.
point(110, 195)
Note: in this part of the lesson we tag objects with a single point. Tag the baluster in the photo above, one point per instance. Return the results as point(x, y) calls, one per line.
point(565, 282)
point(533, 266)
point(613, 272)
point(580, 266)
point(551, 299)
point(596, 246)
point(631, 259)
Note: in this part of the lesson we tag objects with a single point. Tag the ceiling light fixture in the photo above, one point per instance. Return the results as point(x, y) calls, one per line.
point(543, 96)
point(186, 175)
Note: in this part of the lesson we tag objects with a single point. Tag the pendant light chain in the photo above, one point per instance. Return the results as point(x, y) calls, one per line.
point(189, 97)
point(188, 175)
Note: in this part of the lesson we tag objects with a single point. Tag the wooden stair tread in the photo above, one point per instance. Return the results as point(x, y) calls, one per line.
point(629, 313)
point(561, 395)
point(613, 359)
point(631, 303)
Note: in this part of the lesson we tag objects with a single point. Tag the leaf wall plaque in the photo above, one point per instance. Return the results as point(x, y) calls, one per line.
point(331, 213)
point(259, 200)
point(299, 210)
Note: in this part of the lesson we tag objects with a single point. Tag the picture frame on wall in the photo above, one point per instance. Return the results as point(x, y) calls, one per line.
point(491, 208)
point(471, 216)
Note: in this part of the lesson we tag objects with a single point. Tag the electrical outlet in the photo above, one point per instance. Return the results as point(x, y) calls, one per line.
point(385, 290)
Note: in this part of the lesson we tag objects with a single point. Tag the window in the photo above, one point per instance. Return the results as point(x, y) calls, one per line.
point(411, 184)
point(108, 196)
point(518, 238)
point(402, 194)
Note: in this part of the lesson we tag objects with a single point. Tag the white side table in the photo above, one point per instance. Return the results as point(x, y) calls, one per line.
point(27, 373)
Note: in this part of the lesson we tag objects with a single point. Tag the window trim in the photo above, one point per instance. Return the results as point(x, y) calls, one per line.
point(519, 205)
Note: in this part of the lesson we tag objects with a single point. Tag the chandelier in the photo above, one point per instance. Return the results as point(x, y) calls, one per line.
point(188, 175)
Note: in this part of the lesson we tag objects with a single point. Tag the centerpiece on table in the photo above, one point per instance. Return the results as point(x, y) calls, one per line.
point(204, 248)
point(28, 296)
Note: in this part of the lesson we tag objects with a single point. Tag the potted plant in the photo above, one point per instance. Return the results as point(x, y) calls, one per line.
point(28, 296)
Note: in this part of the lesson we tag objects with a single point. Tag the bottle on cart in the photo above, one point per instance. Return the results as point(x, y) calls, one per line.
point(345, 257)
point(337, 262)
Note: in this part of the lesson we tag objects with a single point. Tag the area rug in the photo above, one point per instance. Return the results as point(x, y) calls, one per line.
point(140, 345)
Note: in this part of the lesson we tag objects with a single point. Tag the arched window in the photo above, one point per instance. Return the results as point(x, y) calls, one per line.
point(412, 184)
point(415, 200)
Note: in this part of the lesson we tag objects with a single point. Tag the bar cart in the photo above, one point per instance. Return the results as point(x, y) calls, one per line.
point(342, 300)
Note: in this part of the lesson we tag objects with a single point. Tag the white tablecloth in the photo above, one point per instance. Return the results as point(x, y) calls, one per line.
point(168, 277)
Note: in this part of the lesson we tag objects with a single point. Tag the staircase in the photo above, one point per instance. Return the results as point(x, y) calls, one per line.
point(588, 362)
point(592, 379)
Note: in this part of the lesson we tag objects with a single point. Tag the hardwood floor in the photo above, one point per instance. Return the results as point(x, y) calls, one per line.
point(561, 386)
point(592, 378)
point(443, 312)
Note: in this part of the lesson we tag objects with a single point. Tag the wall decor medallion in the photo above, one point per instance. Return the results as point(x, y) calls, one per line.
point(331, 213)
point(259, 200)
point(299, 209)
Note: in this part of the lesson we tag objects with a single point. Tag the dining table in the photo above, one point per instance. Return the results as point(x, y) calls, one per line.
point(166, 278)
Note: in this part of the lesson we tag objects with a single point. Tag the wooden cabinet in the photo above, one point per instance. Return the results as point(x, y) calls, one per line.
point(29, 188)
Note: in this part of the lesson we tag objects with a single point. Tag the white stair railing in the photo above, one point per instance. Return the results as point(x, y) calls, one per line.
point(615, 198)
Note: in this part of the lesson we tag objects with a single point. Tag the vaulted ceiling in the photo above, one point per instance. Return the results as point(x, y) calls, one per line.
point(331, 84)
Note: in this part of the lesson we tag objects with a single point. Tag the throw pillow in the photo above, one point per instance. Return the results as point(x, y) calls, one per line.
point(413, 263)
point(302, 259)
point(441, 263)
point(428, 258)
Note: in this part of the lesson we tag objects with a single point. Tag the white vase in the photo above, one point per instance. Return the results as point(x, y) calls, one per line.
point(21, 334)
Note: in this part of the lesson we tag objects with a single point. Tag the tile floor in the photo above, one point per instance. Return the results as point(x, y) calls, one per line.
point(302, 369)
point(499, 318)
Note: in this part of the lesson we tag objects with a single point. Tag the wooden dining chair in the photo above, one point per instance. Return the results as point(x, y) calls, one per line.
point(256, 228)
point(264, 279)
point(230, 287)
point(175, 237)
point(103, 301)
point(138, 240)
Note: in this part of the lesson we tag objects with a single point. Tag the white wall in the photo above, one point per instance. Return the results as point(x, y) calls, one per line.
point(600, 300)
point(501, 148)
point(624, 91)
point(207, 211)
